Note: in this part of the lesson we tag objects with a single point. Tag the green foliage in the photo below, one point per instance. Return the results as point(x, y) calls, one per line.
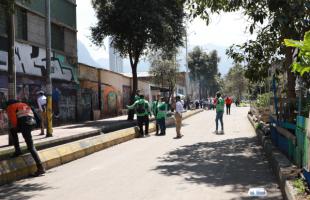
point(164, 72)
point(138, 25)
point(204, 68)
point(258, 126)
point(274, 20)
point(235, 84)
point(263, 100)
point(302, 64)
point(300, 186)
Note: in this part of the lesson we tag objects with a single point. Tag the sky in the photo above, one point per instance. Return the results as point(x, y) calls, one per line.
point(224, 30)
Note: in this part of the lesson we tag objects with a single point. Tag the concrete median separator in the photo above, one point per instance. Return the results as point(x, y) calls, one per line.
point(17, 168)
point(284, 170)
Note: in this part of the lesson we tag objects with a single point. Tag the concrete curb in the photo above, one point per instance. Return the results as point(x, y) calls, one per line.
point(23, 166)
point(282, 167)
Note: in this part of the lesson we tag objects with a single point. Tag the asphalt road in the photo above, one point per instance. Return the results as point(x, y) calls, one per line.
point(199, 166)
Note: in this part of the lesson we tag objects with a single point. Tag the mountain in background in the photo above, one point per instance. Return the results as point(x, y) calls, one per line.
point(84, 55)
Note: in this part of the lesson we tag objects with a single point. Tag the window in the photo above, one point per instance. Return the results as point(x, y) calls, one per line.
point(57, 37)
point(3, 20)
point(21, 24)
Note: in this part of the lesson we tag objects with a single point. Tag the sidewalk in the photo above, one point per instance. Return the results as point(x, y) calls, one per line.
point(68, 133)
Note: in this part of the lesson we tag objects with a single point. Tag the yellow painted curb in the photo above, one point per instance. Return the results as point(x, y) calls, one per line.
point(20, 167)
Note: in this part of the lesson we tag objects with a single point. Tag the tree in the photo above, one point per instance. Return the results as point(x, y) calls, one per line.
point(139, 26)
point(235, 83)
point(277, 18)
point(164, 72)
point(204, 69)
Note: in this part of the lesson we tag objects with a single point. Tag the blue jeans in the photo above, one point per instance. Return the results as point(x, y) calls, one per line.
point(219, 116)
point(162, 125)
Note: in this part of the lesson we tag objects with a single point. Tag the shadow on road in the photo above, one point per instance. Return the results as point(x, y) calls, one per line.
point(20, 191)
point(236, 162)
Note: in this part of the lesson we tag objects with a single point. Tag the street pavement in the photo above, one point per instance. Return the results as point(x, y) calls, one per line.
point(201, 165)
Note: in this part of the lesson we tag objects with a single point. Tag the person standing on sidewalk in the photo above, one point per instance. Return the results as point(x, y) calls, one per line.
point(42, 102)
point(162, 109)
point(143, 112)
point(22, 120)
point(178, 116)
point(219, 104)
point(228, 102)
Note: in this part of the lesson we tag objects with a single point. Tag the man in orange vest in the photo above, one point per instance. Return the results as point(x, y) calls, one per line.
point(22, 120)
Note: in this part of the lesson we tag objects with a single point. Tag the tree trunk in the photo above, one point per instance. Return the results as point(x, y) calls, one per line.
point(134, 88)
point(291, 79)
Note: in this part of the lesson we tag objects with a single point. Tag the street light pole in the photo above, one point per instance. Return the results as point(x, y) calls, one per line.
point(11, 51)
point(187, 72)
point(11, 55)
point(48, 69)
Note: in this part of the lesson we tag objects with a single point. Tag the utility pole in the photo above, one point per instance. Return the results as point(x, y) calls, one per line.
point(11, 51)
point(187, 73)
point(48, 69)
point(11, 54)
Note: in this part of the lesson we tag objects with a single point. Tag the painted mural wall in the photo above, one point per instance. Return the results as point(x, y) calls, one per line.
point(31, 60)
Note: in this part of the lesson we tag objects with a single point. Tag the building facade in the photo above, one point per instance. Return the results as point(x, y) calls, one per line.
point(30, 55)
point(115, 59)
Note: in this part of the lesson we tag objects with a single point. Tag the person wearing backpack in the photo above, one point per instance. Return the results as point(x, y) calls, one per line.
point(162, 109)
point(22, 120)
point(143, 112)
point(219, 105)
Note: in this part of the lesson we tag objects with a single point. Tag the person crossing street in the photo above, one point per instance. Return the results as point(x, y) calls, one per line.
point(219, 103)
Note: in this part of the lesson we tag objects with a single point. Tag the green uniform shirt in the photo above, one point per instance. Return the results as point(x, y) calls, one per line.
point(146, 106)
point(220, 105)
point(162, 109)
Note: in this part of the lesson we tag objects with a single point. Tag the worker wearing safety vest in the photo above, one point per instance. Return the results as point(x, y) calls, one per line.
point(162, 109)
point(21, 118)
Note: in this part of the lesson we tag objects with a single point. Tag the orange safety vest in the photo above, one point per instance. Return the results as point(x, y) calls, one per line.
point(18, 110)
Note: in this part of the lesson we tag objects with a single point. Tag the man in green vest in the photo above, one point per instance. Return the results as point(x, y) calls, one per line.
point(162, 109)
point(143, 112)
point(219, 104)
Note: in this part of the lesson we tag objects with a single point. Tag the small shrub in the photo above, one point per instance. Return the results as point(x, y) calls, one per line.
point(300, 186)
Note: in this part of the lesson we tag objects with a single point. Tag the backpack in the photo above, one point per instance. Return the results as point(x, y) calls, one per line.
point(140, 107)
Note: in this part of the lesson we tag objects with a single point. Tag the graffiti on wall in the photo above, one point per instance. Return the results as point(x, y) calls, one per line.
point(126, 95)
point(112, 102)
point(31, 60)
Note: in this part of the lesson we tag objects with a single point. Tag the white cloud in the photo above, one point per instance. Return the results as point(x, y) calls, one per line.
point(85, 19)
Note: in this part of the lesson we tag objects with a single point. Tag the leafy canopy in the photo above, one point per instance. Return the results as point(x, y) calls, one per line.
point(302, 64)
point(204, 68)
point(273, 19)
point(139, 25)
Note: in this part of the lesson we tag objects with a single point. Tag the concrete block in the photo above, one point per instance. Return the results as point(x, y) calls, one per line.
point(51, 158)
point(31, 164)
point(78, 152)
point(65, 153)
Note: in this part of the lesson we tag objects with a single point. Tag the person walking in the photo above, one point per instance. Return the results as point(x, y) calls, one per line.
point(143, 112)
point(42, 102)
point(219, 102)
point(162, 109)
point(21, 119)
point(178, 116)
point(228, 102)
